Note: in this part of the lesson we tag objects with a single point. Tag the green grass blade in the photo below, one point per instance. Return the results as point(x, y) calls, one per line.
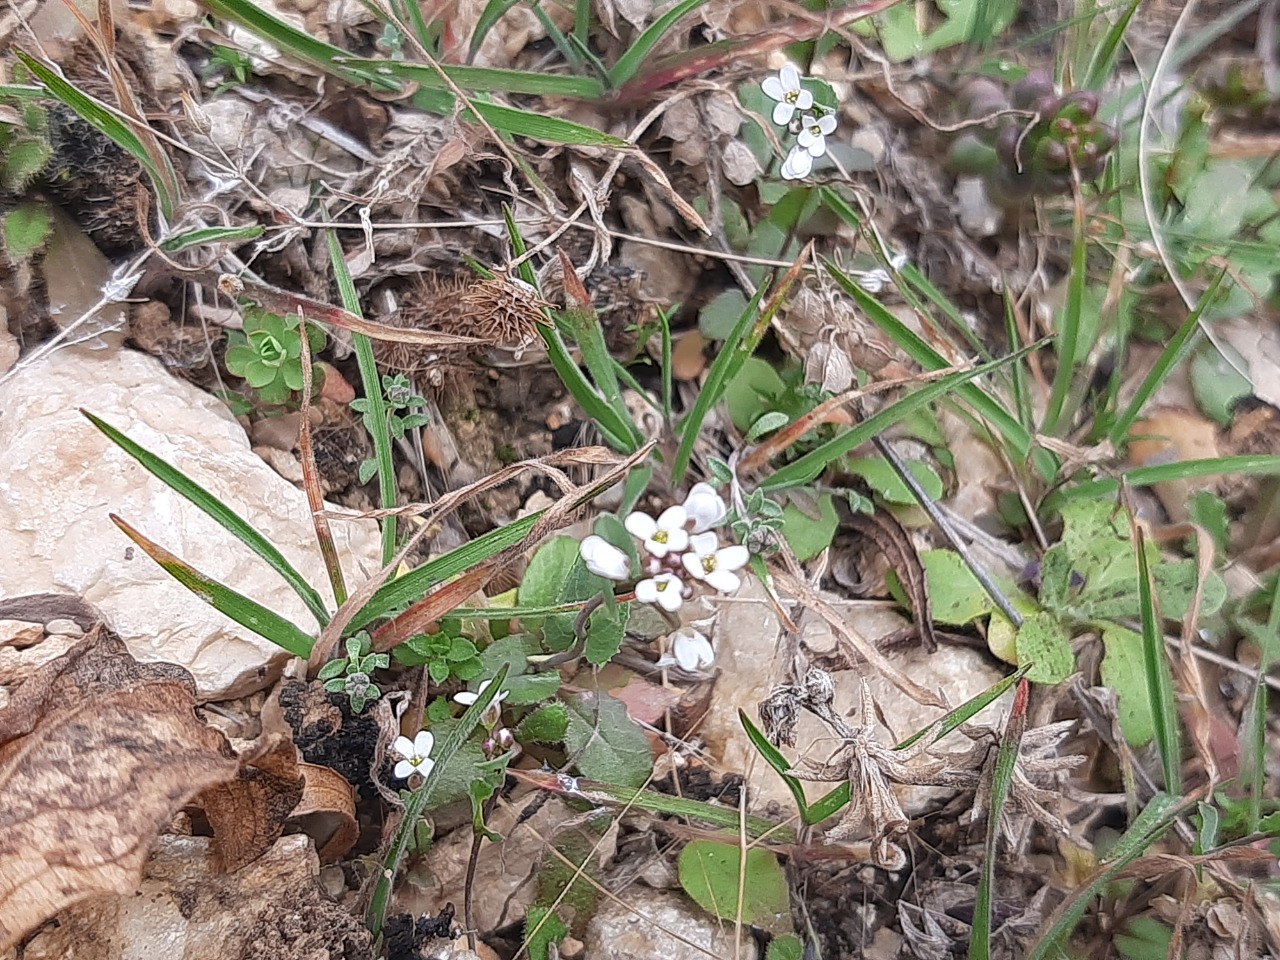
point(1067, 344)
point(376, 421)
point(1103, 61)
point(220, 513)
point(157, 166)
point(630, 62)
point(1006, 759)
point(1021, 396)
point(1253, 765)
point(618, 432)
point(402, 591)
point(1259, 465)
point(1013, 432)
point(805, 468)
point(1159, 676)
point(664, 320)
point(298, 43)
point(210, 235)
point(222, 598)
point(493, 11)
point(418, 800)
point(773, 756)
point(1175, 352)
point(482, 79)
point(1146, 829)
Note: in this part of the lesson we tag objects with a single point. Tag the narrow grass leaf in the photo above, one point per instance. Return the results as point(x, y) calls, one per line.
point(630, 62)
point(1146, 829)
point(1259, 465)
point(773, 756)
point(210, 235)
point(618, 432)
point(1067, 345)
point(222, 598)
point(219, 512)
point(402, 591)
point(1175, 352)
point(1103, 61)
point(375, 419)
point(299, 44)
point(1013, 432)
point(482, 79)
point(1254, 763)
point(417, 801)
point(805, 468)
point(1006, 759)
point(156, 163)
point(493, 11)
point(1159, 675)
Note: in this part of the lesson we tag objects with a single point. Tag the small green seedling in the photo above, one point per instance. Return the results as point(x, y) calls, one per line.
point(268, 353)
point(445, 655)
point(351, 674)
point(401, 405)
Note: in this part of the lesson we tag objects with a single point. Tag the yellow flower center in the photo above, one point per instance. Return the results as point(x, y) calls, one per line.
point(662, 585)
point(709, 563)
point(815, 130)
point(791, 96)
point(660, 537)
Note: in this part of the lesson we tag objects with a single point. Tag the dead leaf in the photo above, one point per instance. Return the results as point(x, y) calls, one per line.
point(1171, 435)
point(247, 813)
point(327, 811)
point(97, 754)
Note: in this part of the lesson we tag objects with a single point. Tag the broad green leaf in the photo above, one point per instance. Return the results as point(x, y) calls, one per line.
point(955, 596)
point(26, 228)
point(1044, 642)
point(806, 535)
point(512, 653)
point(604, 742)
point(605, 630)
point(545, 725)
point(717, 318)
point(752, 392)
point(709, 872)
point(1124, 674)
point(885, 481)
point(1217, 383)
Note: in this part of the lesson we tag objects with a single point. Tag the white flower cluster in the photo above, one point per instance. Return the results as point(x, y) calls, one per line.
point(812, 127)
point(679, 548)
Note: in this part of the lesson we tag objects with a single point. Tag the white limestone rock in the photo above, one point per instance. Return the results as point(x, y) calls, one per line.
point(62, 478)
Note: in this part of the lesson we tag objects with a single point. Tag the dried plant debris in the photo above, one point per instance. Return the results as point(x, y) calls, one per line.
point(870, 767)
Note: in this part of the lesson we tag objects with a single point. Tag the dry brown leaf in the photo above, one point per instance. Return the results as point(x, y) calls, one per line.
point(247, 813)
point(97, 754)
point(327, 811)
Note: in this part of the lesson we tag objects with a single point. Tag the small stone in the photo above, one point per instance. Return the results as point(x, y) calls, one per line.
point(63, 627)
point(571, 949)
point(634, 930)
point(333, 881)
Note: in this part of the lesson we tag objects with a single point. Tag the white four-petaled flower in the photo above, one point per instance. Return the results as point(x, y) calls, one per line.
point(665, 535)
point(814, 132)
point(491, 712)
point(786, 89)
point(797, 164)
point(691, 649)
point(604, 559)
point(714, 564)
point(415, 754)
point(705, 507)
point(664, 589)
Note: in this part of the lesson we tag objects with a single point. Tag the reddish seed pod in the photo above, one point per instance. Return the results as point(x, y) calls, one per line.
point(1036, 84)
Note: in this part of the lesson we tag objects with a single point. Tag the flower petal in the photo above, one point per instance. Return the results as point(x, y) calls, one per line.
point(733, 557)
point(782, 113)
point(673, 518)
point(827, 124)
point(426, 766)
point(647, 591)
point(797, 165)
point(423, 742)
point(465, 697)
point(693, 563)
point(704, 544)
point(818, 147)
point(604, 559)
point(723, 581)
point(677, 540)
point(773, 88)
point(640, 525)
point(404, 770)
point(670, 599)
point(804, 100)
point(403, 747)
point(790, 77)
point(705, 507)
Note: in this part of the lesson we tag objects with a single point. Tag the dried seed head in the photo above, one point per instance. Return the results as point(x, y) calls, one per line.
point(779, 712)
point(819, 688)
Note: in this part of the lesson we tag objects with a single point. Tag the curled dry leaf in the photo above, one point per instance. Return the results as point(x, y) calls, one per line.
point(97, 754)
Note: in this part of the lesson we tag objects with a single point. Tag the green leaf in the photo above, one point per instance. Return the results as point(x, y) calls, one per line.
point(767, 423)
point(545, 725)
point(211, 235)
point(955, 596)
point(1217, 383)
point(605, 743)
point(717, 318)
point(1124, 674)
point(631, 61)
point(512, 653)
point(807, 536)
point(709, 873)
point(26, 228)
point(555, 570)
point(1044, 642)
point(24, 159)
point(220, 513)
point(1210, 513)
point(885, 481)
point(605, 630)
point(752, 391)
